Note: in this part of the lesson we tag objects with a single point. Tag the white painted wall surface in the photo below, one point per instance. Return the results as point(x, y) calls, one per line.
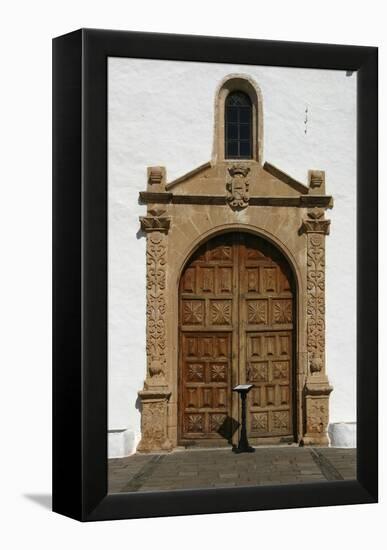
point(162, 113)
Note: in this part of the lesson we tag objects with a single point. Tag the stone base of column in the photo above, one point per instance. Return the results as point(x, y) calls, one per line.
point(317, 391)
point(154, 420)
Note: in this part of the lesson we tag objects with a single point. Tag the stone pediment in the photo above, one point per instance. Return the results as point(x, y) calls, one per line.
point(264, 181)
point(239, 183)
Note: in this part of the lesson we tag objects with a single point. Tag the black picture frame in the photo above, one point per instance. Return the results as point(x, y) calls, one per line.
point(80, 273)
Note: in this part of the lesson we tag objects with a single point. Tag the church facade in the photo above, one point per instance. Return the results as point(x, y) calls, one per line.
point(232, 256)
point(235, 292)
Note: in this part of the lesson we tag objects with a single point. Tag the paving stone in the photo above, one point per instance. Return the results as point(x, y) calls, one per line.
point(222, 468)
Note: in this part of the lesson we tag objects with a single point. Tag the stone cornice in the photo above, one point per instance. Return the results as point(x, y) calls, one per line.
point(303, 201)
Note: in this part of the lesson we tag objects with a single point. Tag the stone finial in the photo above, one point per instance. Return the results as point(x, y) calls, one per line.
point(156, 177)
point(317, 181)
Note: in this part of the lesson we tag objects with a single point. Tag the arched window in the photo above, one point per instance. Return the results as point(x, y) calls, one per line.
point(238, 126)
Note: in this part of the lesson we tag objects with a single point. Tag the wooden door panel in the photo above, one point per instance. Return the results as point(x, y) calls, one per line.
point(236, 325)
point(265, 333)
point(206, 384)
point(208, 311)
point(268, 367)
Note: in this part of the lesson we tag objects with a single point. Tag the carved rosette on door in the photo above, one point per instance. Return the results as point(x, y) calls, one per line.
point(236, 326)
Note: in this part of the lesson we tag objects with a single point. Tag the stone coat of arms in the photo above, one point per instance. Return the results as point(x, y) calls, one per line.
point(238, 187)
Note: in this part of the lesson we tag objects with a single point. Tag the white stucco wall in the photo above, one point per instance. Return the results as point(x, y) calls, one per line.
point(162, 113)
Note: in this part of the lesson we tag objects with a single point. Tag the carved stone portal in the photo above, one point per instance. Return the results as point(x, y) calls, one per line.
point(181, 216)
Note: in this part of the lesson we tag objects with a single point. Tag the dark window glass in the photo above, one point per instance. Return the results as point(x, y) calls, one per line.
point(238, 123)
point(244, 149)
point(245, 114)
point(232, 148)
point(232, 131)
point(232, 114)
point(244, 131)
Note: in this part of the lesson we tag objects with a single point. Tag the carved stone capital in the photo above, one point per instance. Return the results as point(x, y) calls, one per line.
point(315, 222)
point(316, 226)
point(155, 221)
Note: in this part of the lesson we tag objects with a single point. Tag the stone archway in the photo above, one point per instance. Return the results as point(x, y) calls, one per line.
point(237, 324)
point(219, 197)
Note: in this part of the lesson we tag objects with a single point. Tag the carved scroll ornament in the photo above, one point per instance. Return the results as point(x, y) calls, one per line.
point(155, 311)
point(316, 301)
point(316, 227)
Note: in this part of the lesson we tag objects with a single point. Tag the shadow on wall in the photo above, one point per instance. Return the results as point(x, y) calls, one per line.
point(138, 404)
point(342, 434)
point(140, 234)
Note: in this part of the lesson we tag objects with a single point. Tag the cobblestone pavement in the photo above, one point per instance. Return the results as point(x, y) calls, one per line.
point(198, 469)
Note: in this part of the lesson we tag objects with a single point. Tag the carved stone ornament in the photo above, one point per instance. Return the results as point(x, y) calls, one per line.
point(317, 387)
point(317, 178)
point(315, 223)
point(238, 187)
point(316, 227)
point(155, 175)
point(155, 221)
point(316, 301)
point(317, 415)
point(154, 432)
point(155, 310)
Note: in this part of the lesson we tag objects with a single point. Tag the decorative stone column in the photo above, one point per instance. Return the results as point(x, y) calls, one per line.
point(155, 395)
point(317, 387)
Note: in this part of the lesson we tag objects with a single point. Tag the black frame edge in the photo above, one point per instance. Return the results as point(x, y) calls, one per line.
point(242, 499)
point(67, 274)
point(367, 273)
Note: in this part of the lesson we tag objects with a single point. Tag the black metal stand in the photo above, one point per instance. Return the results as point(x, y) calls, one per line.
point(243, 445)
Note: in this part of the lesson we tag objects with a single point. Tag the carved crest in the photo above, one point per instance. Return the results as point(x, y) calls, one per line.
point(238, 187)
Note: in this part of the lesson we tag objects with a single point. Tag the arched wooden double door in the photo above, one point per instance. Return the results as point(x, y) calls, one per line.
point(236, 323)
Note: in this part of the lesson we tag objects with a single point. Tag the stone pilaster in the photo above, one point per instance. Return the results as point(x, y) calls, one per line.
point(317, 388)
point(155, 395)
